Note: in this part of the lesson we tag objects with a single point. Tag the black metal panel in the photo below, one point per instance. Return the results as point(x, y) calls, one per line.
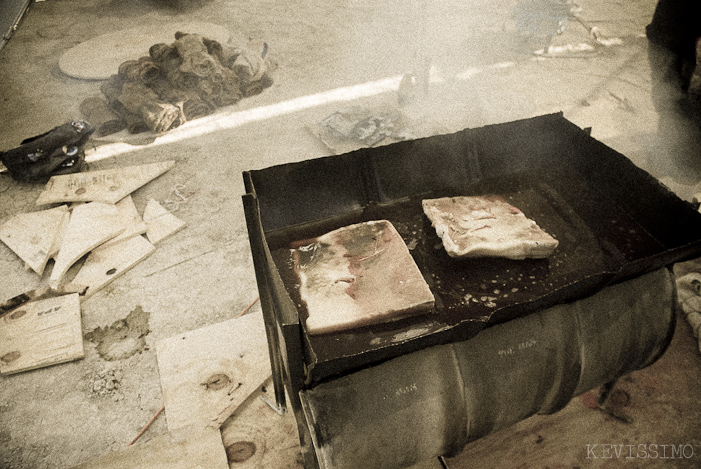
point(311, 190)
point(421, 166)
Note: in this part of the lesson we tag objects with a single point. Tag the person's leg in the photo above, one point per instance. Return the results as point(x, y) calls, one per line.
point(676, 26)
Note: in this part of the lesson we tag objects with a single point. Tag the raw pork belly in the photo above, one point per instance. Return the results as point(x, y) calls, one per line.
point(486, 226)
point(359, 275)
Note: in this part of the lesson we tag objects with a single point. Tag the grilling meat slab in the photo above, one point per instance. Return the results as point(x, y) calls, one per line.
point(358, 275)
point(487, 226)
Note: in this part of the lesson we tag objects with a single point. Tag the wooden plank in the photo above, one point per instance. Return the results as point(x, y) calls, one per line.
point(207, 373)
point(184, 448)
point(131, 219)
point(160, 222)
point(60, 235)
point(31, 235)
point(256, 436)
point(107, 262)
point(90, 225)
point(41, 333)
point(108, 186)
point(40, 293)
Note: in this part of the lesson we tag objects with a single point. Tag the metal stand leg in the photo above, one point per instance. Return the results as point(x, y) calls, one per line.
point(414, 85)
point(604, 394)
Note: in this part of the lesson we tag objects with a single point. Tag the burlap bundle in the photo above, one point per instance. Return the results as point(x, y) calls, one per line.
point(182, 81)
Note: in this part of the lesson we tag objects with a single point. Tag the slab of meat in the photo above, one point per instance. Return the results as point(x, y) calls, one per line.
point(486, 226)
point(358, 275)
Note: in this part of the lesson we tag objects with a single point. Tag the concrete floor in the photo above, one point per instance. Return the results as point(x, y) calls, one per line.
point(484, 72)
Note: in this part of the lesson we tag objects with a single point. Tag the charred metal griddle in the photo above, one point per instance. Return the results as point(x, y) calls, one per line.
point(614, 222)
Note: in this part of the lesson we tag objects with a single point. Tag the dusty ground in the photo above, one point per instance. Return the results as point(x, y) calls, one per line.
point(484, 72)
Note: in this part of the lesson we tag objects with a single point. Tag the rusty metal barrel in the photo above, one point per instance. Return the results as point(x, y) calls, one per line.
point(433, 402)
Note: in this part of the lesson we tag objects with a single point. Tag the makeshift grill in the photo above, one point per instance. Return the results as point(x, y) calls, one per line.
point(618, 229)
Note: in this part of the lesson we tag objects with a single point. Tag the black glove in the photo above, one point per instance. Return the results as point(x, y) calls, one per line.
point(58, 151)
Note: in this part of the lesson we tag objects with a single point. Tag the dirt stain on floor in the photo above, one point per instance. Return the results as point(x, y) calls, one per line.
point(123, 338)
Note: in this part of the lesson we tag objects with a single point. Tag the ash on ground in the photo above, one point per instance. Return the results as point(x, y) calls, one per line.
point(107, 382)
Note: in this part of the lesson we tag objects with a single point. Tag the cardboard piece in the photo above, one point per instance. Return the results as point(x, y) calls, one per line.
point(31, 235)
point(90, 225)
point(160, 222)
point(107, 262)
point(207, 373)
point(352, 128)
point(185, 448)
point(131, 220)
point(108, 186)
point(41, 333)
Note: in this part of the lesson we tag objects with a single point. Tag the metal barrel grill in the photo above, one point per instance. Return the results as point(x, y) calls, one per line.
point(434, 401)
point(393, 394)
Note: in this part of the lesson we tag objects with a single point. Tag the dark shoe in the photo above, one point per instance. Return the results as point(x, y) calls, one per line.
point(58, 151)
